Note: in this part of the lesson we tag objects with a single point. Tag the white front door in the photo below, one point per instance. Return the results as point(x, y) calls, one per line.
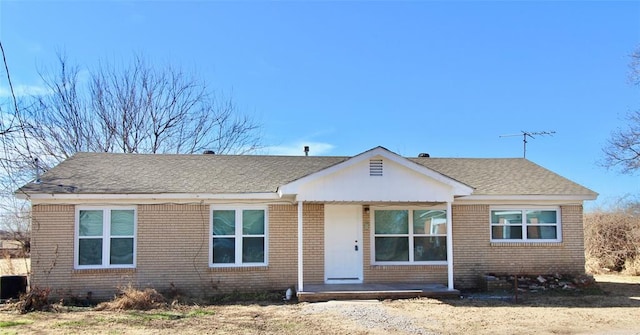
point(343, 244)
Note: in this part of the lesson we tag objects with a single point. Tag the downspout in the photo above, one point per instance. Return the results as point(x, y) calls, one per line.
point(449, 247)
point(300, 251)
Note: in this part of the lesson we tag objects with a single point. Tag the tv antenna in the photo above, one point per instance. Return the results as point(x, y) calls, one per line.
point(530, 134)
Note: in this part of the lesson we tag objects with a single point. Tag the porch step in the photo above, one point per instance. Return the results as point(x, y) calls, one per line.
point(325, 292)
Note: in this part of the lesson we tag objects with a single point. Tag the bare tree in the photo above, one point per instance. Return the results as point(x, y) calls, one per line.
point(15, 156)
point(634, 67)
point(622, 150)
point(623, 147)
point(134, 108)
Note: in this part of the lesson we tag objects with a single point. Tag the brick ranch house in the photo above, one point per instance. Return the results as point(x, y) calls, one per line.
point(209, 224)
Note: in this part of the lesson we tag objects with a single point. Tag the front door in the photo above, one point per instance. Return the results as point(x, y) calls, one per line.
point(343, 244)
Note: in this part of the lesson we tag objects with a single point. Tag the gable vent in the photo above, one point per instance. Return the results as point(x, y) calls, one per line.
point(375, 167)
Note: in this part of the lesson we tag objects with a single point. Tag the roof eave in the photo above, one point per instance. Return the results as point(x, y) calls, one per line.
point(556, 197)
point(150, 196)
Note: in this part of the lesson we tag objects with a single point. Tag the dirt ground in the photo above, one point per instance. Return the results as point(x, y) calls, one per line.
point(615, 310)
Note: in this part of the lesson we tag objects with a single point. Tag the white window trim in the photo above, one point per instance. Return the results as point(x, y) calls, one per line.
point(238, 236)
point(410, 262)
point(106, 238)
point(524, 210)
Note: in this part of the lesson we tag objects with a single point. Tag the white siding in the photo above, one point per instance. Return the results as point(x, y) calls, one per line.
point(397, 184)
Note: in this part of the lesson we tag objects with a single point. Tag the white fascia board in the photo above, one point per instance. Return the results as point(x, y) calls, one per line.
point(156, 196)
point(577, 197)
point(458, 187)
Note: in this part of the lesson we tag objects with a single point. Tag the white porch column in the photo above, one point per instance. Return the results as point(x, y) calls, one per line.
point(449, 247)
point(300, 251)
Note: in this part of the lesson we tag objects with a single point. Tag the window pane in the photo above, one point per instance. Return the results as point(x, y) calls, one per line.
point(253, 222)
point(506, 217)
point(433, 248)
point(253, 250)
point(91, 223)
point(541, 217)
point(506, 232)
point(542, 232)
point(121, 251)
point(224, 222)
point(392, 222)
point(122, 222)
point(432, 222)
point(392, 249)
point(224, 250)
point(90, 251)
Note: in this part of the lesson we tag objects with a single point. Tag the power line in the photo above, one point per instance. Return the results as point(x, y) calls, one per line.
point(530, 134)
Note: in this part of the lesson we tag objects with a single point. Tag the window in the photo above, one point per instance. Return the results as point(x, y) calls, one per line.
point(525, 224)
point(105, 237)
point(409, 236)
point(238, 237)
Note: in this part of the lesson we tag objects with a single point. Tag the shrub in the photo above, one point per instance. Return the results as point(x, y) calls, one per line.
point(130, 298)
point(612, 240)
point(36, 300)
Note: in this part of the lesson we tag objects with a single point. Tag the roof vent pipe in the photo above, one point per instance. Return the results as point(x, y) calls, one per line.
point(424, 155)
point(36, 162)
point(306, 150)
point(208, 152)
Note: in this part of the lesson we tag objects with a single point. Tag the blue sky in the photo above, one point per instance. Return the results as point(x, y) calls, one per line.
point(447, 78)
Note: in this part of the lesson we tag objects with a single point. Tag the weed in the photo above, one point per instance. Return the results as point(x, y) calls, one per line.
point(157, 316)
point(236, 296)
point(131, 298)
point(5, 324)
point(200, 312)
point(78, 323)
point(36, 300)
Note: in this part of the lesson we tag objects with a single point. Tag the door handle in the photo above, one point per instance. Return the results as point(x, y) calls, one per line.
point(356, 247)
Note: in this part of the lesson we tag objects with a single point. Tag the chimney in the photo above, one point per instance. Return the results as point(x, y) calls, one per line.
point(306, 150)
point(423, 155)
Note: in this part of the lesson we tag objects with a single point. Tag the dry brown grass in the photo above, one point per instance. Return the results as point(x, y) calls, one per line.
point(615, 312)
point(131, 298)
point(37, 299)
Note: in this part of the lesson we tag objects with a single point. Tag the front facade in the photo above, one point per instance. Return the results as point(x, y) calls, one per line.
point(204, 225)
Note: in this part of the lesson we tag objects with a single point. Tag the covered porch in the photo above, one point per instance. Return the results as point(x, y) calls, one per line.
point(343, 253)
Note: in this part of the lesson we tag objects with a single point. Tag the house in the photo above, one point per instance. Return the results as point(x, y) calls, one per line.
point(209, 224)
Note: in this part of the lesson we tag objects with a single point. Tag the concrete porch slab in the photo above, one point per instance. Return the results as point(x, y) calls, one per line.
point(325, 292)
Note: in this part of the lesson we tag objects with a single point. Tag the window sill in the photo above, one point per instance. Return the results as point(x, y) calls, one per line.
point(527, 244)
point(104, 270)
point(239, 268)
point(404, 266)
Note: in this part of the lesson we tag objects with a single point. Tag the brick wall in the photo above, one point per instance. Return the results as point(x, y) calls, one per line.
point(475, 255)
point(313, 234)
point(52, 257)
point(172, 248)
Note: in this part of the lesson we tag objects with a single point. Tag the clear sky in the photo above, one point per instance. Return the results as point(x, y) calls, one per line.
point(446, 78)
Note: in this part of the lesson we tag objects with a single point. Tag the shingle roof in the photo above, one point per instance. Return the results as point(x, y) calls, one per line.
point(504, 176)
point(108, 173)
